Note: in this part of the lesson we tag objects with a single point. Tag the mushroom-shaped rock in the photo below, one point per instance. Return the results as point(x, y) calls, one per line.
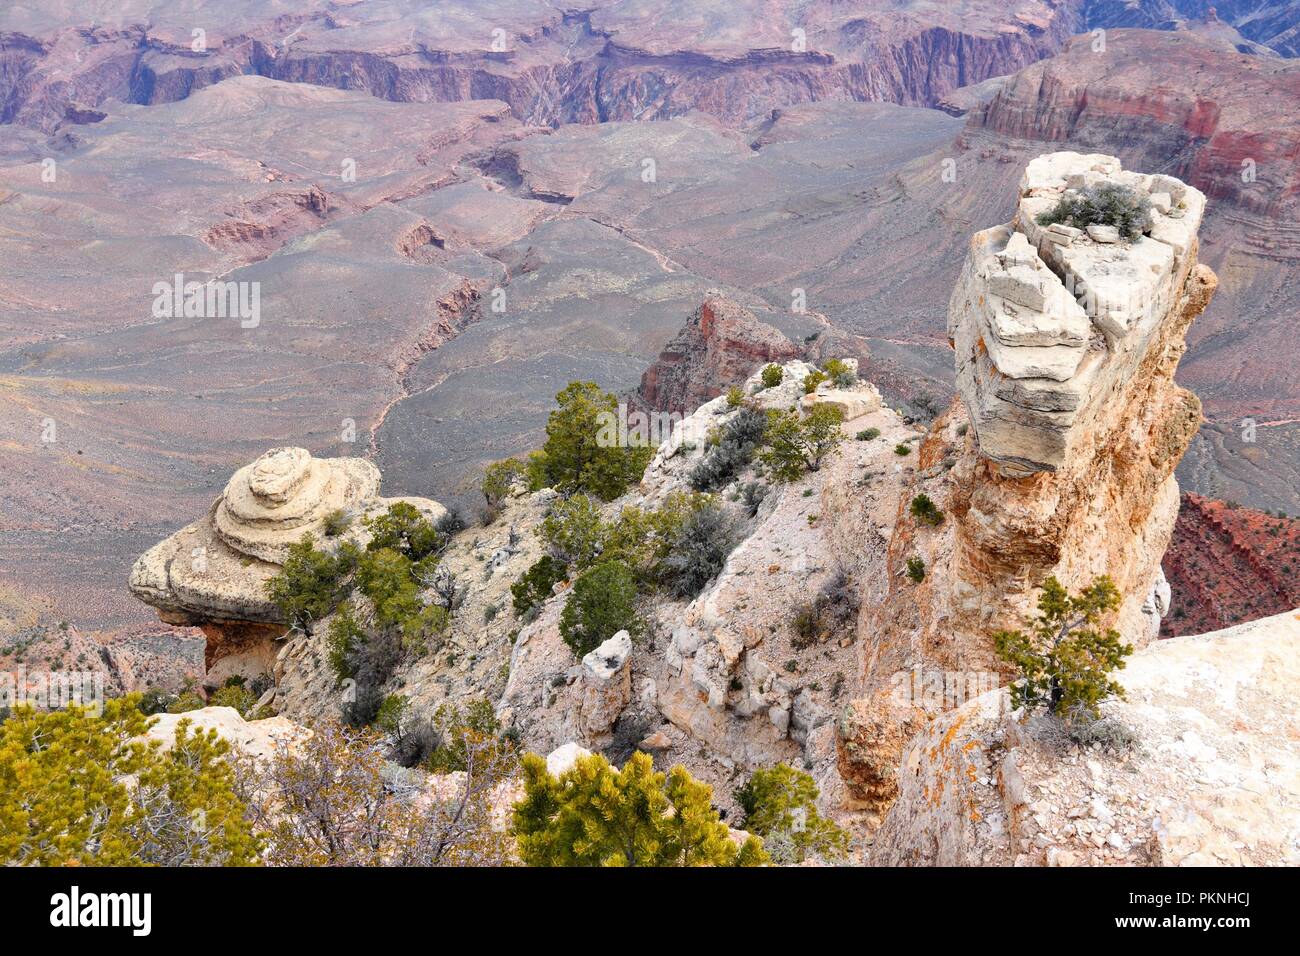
point(214, 571)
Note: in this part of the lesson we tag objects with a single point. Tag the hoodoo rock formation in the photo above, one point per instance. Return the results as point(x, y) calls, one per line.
point(1058, 457)
point(213, 573)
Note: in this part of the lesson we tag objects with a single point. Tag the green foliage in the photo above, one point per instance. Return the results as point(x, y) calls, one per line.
point(868, 434)
point(574, 531)
point(457, 731)
point(737, 443)
point(923, 509)
point(841, 375)
point(392, 713)
point(594, 815)
point(344, 638)
point(336, 522)
point(796, 444)
point(902, 449)
point(1105, 204)
point(186, 701)
point(537, 584)
point(576, 534)
point(697, 550)
point(310, 583)
point(813, 379)
point(1064, 659)
point(583, 452)
point(387, 577)
point(83, 790)
point(916, 569)
point(780, 805)
point(501, 477)
point(403, 529)
point(234, 694)
point(600, 605)
point(735, 396)
point(772, 376)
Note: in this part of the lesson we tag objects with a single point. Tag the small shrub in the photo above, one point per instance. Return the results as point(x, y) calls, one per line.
point(780, 805)
point(1105, 204)
point(85, 789)
point(868, 434)
point(601, 604)
point(738, 442)
point(336, 522)
point(537, 584)
point(310, 583)
point(574, 531)
point(841, 375)
point(582, 451)
point(455, 730)
point(500, 479)
point(813, 379)
point(402, 528)
point(595, 815)
point(772, 376)
point(924, 510)
point(796, 445)
point(344, 638)
point(699, 550)
point(901, 449)
point(234, 694)
point(392, 713)
point(916, 569)
point(735, 396)
point(1065, 659)
point(752, 495)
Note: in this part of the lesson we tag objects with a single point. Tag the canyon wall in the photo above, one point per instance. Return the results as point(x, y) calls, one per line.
point(610, 61)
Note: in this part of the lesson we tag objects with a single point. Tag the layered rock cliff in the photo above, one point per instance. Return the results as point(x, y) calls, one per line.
point(586, 64)
point(1227, 565)
point(1057, 459)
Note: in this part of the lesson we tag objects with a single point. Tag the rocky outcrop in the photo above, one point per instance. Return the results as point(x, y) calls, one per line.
point(1050, 322)
point(720, 345)
point(213, 573)
point(1198, 766)
point(1058, 457)
point(260, 739)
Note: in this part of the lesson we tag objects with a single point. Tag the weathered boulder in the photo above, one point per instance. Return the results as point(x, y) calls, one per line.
point(606, 685)
point(253, 738)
